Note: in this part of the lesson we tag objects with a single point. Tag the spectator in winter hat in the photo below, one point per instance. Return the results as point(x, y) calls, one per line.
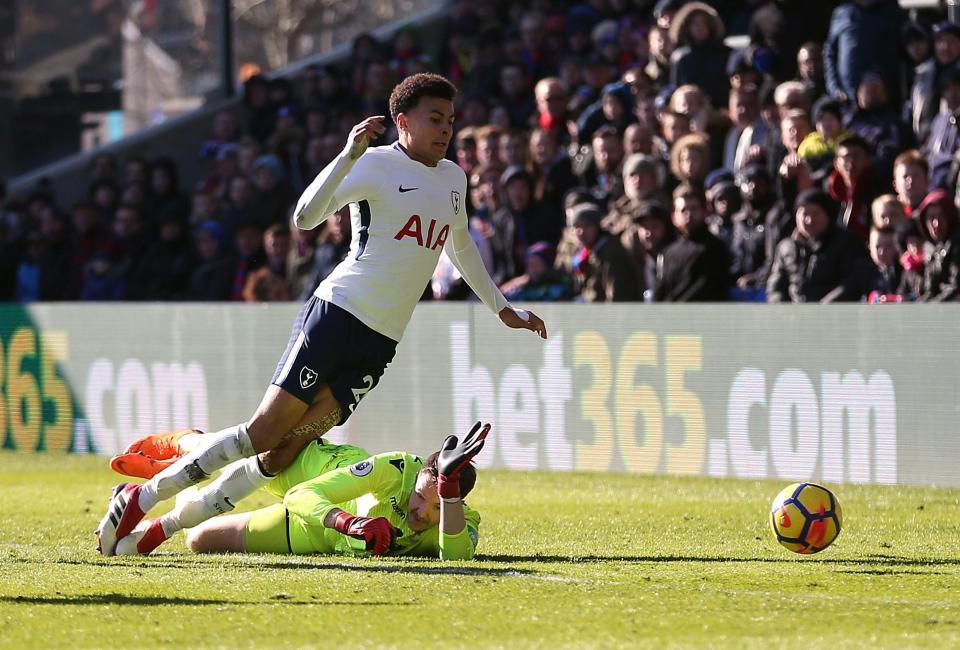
point(925, 93)
point(649, 235)
point(818, 148)
point(602, 271)
point(540, 282)
point(642, 178)
point(877, 121)
point(741, 69)
point(821, 261)
point(944, 139)
point(749, 261)
point(937, 218)
point(273, 194)
point(917, 45)
point(911, 244)
point(701, 55)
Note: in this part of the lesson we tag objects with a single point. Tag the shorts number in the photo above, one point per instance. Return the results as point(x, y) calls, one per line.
point(358, 393)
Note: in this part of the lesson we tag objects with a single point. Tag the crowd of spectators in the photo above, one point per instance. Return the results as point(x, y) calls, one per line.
point(616, 150)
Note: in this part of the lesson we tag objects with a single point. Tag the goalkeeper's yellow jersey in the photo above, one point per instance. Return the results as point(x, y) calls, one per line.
point(326, 476)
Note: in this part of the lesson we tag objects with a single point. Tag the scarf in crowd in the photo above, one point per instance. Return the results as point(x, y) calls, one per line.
point(580, 260)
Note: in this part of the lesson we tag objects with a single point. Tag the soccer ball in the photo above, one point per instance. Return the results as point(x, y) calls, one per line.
point(806, 518)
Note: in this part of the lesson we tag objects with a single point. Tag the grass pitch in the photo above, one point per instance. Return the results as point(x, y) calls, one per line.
point(566, 560)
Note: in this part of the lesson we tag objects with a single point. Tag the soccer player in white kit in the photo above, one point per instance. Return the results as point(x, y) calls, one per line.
point(407, 204)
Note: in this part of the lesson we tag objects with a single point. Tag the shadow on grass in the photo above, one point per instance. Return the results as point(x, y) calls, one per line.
point(387, 568)
point(123, 599)
point(891, 572)
point(264, 563)
point(885, 560)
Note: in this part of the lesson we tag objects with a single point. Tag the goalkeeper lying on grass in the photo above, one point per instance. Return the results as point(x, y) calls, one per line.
point(338, 499)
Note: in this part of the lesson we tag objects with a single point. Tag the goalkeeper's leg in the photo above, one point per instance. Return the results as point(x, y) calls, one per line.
point(276, 420)
point(236, 482)
point(225, 535)
point(214, 451)
point(267, 530)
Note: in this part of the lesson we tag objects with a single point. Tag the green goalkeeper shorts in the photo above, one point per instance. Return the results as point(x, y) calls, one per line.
point(319, 457)
point(272, 530)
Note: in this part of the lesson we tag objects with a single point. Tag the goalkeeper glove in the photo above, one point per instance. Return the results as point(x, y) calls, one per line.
point(454, 456)
point(379, 534)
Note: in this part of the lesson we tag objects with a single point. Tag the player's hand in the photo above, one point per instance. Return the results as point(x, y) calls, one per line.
point(454, 456)
point(361, 135)
point(378, 533)
point(511, 318)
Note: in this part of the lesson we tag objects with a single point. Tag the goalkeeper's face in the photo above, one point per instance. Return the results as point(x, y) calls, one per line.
point(424, 504)
point(426, 129)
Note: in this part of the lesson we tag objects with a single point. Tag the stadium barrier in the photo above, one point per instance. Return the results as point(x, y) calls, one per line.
point(850, 393)
point(179, 137)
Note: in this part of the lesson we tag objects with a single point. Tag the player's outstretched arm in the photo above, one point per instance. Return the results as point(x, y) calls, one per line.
point(465, 256)
point(455, 454)
point(315, 203)
point(522, 319)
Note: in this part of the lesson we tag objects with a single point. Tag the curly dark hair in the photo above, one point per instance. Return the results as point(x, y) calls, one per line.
point(407, 94)
point(468, 475)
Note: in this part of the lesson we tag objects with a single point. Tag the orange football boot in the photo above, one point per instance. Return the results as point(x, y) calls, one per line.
point(160, 446)
point(139, 465)
point(149, 455)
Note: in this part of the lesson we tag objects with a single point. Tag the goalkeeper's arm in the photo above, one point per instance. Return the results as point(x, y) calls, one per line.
point(314, 501)
point(378, 533)
point(455, 540)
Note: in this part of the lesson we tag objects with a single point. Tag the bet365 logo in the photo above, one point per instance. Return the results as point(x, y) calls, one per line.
point(36, 405)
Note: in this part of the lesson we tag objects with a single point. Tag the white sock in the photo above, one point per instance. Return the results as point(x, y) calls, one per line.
point(238, 481)
point(212, 452)
point(189, 441)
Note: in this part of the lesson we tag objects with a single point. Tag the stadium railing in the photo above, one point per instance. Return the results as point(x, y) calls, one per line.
point(180, 137)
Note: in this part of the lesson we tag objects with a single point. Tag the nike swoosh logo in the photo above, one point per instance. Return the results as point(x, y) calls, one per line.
point(407, 189)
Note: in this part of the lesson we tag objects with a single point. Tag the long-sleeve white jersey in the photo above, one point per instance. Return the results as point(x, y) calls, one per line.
point(402, 214)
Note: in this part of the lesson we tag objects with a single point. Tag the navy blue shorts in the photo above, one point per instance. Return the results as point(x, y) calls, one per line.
point(331, 346)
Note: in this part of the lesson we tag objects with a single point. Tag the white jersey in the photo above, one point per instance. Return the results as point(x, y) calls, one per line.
point(403, 214)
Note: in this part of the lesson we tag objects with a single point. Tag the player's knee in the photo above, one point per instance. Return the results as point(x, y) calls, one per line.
point(278, 412)
point(266, 430)
point(278, 459)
